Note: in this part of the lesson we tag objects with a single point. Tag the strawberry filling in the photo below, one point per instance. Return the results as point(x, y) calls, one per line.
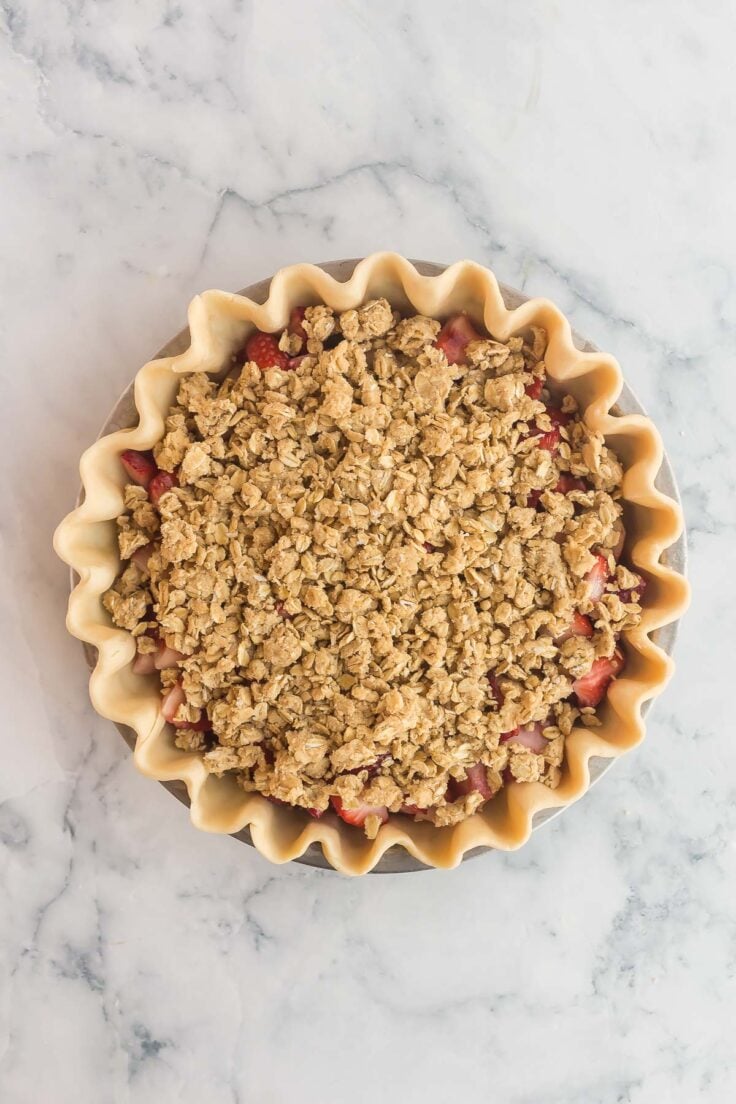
point(535, 388)
point(455, 336)
point(627, 595)
point(360, 813)
point(263, 350)
point(295, 327)
point(529, 736)
point(590, 689)
point(144, 663)
point(161, 483)
point(597, 578)
point(496, 693)
point(141, 556)
point(580, 626)
point(166, 657)
point(172, 700)
point(140, 467)
point(475, 781)
point(549, 440)
point(567, 483)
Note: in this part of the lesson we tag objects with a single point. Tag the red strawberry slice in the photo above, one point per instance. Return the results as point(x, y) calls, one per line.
point(534, 389)
point(567, 483)
point(140, 467)
point(597, 578)
point(166, 656)
point(454, 336)
point(506, 736)
point(591, 687)
point(476, 781)
point(550, 442)
point(550, 439)
point(263, 350)
point(316, 813)
point(160, 485)
point(360, 813)
point(141, 556)
point(580, 626)
point(144, 663)
point(529, 736)
point(295, 326)
point(174, 698)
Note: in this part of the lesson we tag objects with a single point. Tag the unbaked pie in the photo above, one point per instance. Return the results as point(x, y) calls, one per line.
point(388, 557)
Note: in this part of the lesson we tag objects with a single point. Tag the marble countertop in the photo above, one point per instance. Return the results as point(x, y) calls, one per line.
point(151, 150)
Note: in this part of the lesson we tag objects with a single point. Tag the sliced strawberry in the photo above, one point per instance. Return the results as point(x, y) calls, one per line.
point(141, 556)
point(597, 578)
point(360, 813)
point(144, 663)
point(160, 484)
point(174, 698)
point(627, 595)
point(580, 626)
point(529, 736)
point(454, 336)
point(140, 467)
point(476, 781)
point(567, 483)
point(316, 813)
point(295, 326)
point(550, 441)
point(534, 389)
point(591, 688)
point(506, 736)
point(294, 362)
point(558, 417)
point(166, 656)
point(263, 350)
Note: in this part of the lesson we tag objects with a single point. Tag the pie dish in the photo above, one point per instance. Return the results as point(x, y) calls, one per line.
point(219, 325)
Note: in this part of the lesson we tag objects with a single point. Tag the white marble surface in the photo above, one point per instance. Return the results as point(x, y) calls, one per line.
point(151, 149)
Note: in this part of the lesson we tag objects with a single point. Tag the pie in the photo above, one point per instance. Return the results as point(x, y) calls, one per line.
point(376, 568)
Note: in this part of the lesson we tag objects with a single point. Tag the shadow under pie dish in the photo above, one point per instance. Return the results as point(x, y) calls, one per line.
point(479, 392)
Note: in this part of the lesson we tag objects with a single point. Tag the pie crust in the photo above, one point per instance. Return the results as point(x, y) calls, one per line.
point(219, 323)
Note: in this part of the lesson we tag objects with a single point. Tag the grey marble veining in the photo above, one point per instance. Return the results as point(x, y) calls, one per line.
point(148, 151)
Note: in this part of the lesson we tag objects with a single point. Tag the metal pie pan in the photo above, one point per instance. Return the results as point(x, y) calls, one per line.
point(396, 860)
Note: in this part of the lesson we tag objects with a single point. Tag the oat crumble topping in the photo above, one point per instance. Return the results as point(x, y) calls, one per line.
point(383, 571)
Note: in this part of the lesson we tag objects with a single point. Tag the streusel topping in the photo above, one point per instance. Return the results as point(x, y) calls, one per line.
point(371, 564)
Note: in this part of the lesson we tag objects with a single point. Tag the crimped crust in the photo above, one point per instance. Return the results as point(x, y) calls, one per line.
point(219, 324)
